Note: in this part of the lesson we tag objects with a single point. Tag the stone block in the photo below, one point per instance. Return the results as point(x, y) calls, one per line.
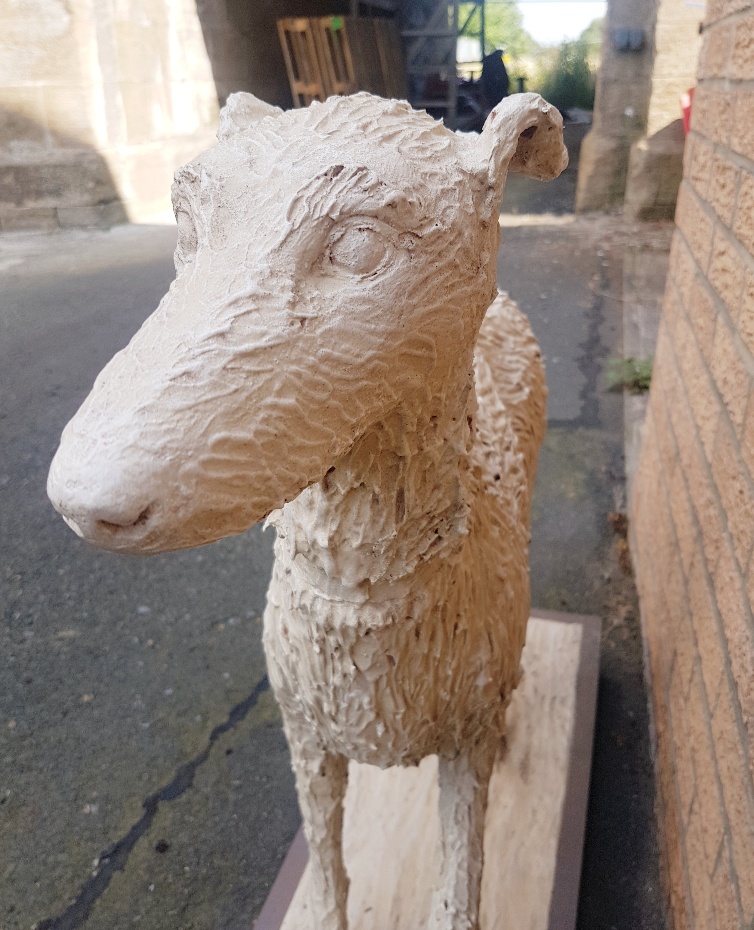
point(726, 271)
point(685, 271)
point(146, 112)
point(101, 216)
point(138, 50)
point(736, 786)
point(655, 170)
point(709, 644)
point(74, 179)
point(683, 765)
point(603, 165)
point(683, 520)
point(707, 800)
point(713, 61)
point(22, 119)
point(743, 224)
point(703, 492)
point(700, 870)
point(742, 135)
point(724, 901)
point(731, 602)
point(68, 117)
point(741, 65)
point(702, 315)
point(15, 219)
point(730, 374)
point(723, 188)
point(712, 113)
point(695, 225)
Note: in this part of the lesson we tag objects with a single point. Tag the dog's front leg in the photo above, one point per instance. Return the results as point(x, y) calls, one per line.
point(321, 781)
point(463, 803)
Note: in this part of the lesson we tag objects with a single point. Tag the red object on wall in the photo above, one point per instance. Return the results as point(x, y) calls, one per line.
point(686, 101)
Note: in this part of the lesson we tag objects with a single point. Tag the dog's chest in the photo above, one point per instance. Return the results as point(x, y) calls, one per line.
point(390, 684)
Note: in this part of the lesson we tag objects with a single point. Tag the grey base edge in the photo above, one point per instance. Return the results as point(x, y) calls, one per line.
point(565, 893)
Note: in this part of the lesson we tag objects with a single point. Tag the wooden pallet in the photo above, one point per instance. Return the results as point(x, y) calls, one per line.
point(328, 55)
point(299, 44)
point(334, 51)
point(535, 820)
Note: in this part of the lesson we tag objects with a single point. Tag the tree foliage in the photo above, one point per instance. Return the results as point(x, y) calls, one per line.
point(568, 74)
point(504, 26)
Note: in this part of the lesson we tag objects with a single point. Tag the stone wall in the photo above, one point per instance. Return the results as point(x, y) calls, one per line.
point(656, 160)
point(100, 100)
point(621, 107)
point(693, 500)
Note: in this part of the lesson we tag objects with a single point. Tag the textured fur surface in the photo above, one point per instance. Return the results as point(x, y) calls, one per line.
point(323, 359)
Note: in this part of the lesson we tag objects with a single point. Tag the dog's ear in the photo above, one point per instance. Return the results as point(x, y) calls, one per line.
point(242, 111)
point(524, 134)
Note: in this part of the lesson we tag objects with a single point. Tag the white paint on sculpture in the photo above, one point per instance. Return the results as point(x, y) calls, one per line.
point(323, 360)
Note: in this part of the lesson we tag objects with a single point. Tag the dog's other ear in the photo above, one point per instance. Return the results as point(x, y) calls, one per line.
point(524, 134)
point(242, 111)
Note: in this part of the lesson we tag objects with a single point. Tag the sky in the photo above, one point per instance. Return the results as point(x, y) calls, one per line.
point(552, 21)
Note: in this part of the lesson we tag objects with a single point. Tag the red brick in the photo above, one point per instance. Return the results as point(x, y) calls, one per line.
point(730, 374)
point(700, 870)
point(741, 65)
point(736, 785)
point(708, 641)
point(726, 271)
point(723, 188)
point(713, 60)
point(695, 225)
point(702, 313)
point(724, 899)
point(742, 135)
point(743, 226)
point(732, 604)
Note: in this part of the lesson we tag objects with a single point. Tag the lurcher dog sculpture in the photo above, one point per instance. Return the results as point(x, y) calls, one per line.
point(314, 363)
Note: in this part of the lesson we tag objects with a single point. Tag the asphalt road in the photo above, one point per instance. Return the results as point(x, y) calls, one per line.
point(144, 778)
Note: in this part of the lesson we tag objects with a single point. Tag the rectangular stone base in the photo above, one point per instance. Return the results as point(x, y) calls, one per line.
point(535, 819)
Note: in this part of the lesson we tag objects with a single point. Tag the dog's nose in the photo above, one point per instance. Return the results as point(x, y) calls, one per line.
point(99, 500)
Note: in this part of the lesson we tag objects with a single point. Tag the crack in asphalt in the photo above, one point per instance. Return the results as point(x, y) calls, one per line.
point(115, 857)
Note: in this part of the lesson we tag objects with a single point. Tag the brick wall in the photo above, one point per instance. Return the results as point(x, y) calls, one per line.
point(693, 500)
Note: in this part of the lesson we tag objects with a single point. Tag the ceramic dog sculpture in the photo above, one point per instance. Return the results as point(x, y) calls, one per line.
point(332, 356)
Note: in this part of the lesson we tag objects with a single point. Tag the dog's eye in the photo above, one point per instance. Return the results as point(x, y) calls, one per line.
point(358, 249)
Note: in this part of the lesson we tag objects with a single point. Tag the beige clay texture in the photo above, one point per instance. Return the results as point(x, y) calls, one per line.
point(334, 356)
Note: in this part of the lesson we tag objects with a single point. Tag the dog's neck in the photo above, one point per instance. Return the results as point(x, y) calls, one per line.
point(396, 501)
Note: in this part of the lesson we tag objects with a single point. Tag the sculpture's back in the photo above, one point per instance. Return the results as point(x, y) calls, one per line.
point(313, 361)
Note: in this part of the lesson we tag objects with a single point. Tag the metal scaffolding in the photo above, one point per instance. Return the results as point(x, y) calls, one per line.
point(431, 32)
